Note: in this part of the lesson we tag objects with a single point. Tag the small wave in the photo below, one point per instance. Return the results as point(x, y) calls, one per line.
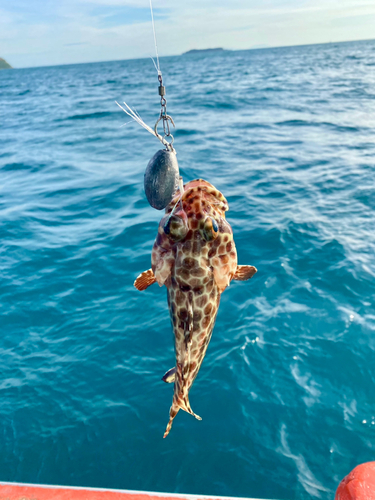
point(183, 132)
point(366, 196)
point(91, 116)
point(295, 123)
point(305, 475)
point(253, 125)
point(11, 167)
point(219, 105)
point(304, 123)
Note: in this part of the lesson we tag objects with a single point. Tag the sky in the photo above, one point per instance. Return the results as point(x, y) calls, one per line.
point(52, 32)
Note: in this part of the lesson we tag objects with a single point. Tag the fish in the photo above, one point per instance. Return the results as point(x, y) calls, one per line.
point(194, 256)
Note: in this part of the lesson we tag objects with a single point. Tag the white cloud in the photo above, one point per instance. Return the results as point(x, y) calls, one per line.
point(76, 31)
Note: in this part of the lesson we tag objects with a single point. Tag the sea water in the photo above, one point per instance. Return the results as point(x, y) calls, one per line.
point(287, 388)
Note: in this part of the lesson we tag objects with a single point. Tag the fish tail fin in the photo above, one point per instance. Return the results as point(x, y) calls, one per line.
point(182, 404)
point(172, 413)
point(188, 409)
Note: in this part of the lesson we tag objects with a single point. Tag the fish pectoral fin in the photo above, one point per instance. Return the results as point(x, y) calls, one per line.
point(162, 262)
point(244, 273)
point(144, 280)
point(169, 376)
point(221, 279)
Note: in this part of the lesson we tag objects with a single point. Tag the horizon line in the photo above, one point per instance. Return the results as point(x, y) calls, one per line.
point(209, 48)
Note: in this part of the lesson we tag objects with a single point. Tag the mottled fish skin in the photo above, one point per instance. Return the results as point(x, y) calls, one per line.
point(195, 257)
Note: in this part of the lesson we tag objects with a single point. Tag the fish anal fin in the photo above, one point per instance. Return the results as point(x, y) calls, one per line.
point(244, 273)
point(144, 280)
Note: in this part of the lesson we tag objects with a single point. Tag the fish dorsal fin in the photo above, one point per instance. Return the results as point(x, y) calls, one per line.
point(244, 273)
point(144, 280)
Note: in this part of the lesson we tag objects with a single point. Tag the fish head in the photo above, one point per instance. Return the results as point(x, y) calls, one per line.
point(205, 207)
point(194, 226)
point(200, 208)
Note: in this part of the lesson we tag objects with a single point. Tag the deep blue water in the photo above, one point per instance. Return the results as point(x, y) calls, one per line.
point(287, 388)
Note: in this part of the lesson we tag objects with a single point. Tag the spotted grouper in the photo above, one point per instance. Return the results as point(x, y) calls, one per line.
point(195, 257)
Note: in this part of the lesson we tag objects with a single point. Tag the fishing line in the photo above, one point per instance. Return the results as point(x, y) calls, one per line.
point(162, 177)
point(156, 45)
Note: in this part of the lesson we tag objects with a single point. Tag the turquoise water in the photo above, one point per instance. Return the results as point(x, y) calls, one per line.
point(287, 388)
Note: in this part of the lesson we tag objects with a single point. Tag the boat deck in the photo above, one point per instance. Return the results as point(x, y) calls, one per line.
point(19, 491)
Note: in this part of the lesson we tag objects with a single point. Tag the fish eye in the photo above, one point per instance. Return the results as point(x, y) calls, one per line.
point(209, 229)
point(175, 227)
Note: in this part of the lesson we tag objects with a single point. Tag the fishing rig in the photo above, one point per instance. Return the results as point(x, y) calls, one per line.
point(162, 177)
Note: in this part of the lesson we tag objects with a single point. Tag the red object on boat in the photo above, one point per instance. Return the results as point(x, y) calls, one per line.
point(15, 491)
point(359, 484)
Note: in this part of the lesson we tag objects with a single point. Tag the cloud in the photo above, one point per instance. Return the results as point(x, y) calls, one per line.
point(75, 44)
point(47, 32)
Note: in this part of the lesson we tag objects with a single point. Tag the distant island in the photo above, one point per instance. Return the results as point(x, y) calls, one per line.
point(200, 51)
point(4, 64)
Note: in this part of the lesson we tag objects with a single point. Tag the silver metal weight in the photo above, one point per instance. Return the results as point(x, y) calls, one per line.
point(161, 178)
